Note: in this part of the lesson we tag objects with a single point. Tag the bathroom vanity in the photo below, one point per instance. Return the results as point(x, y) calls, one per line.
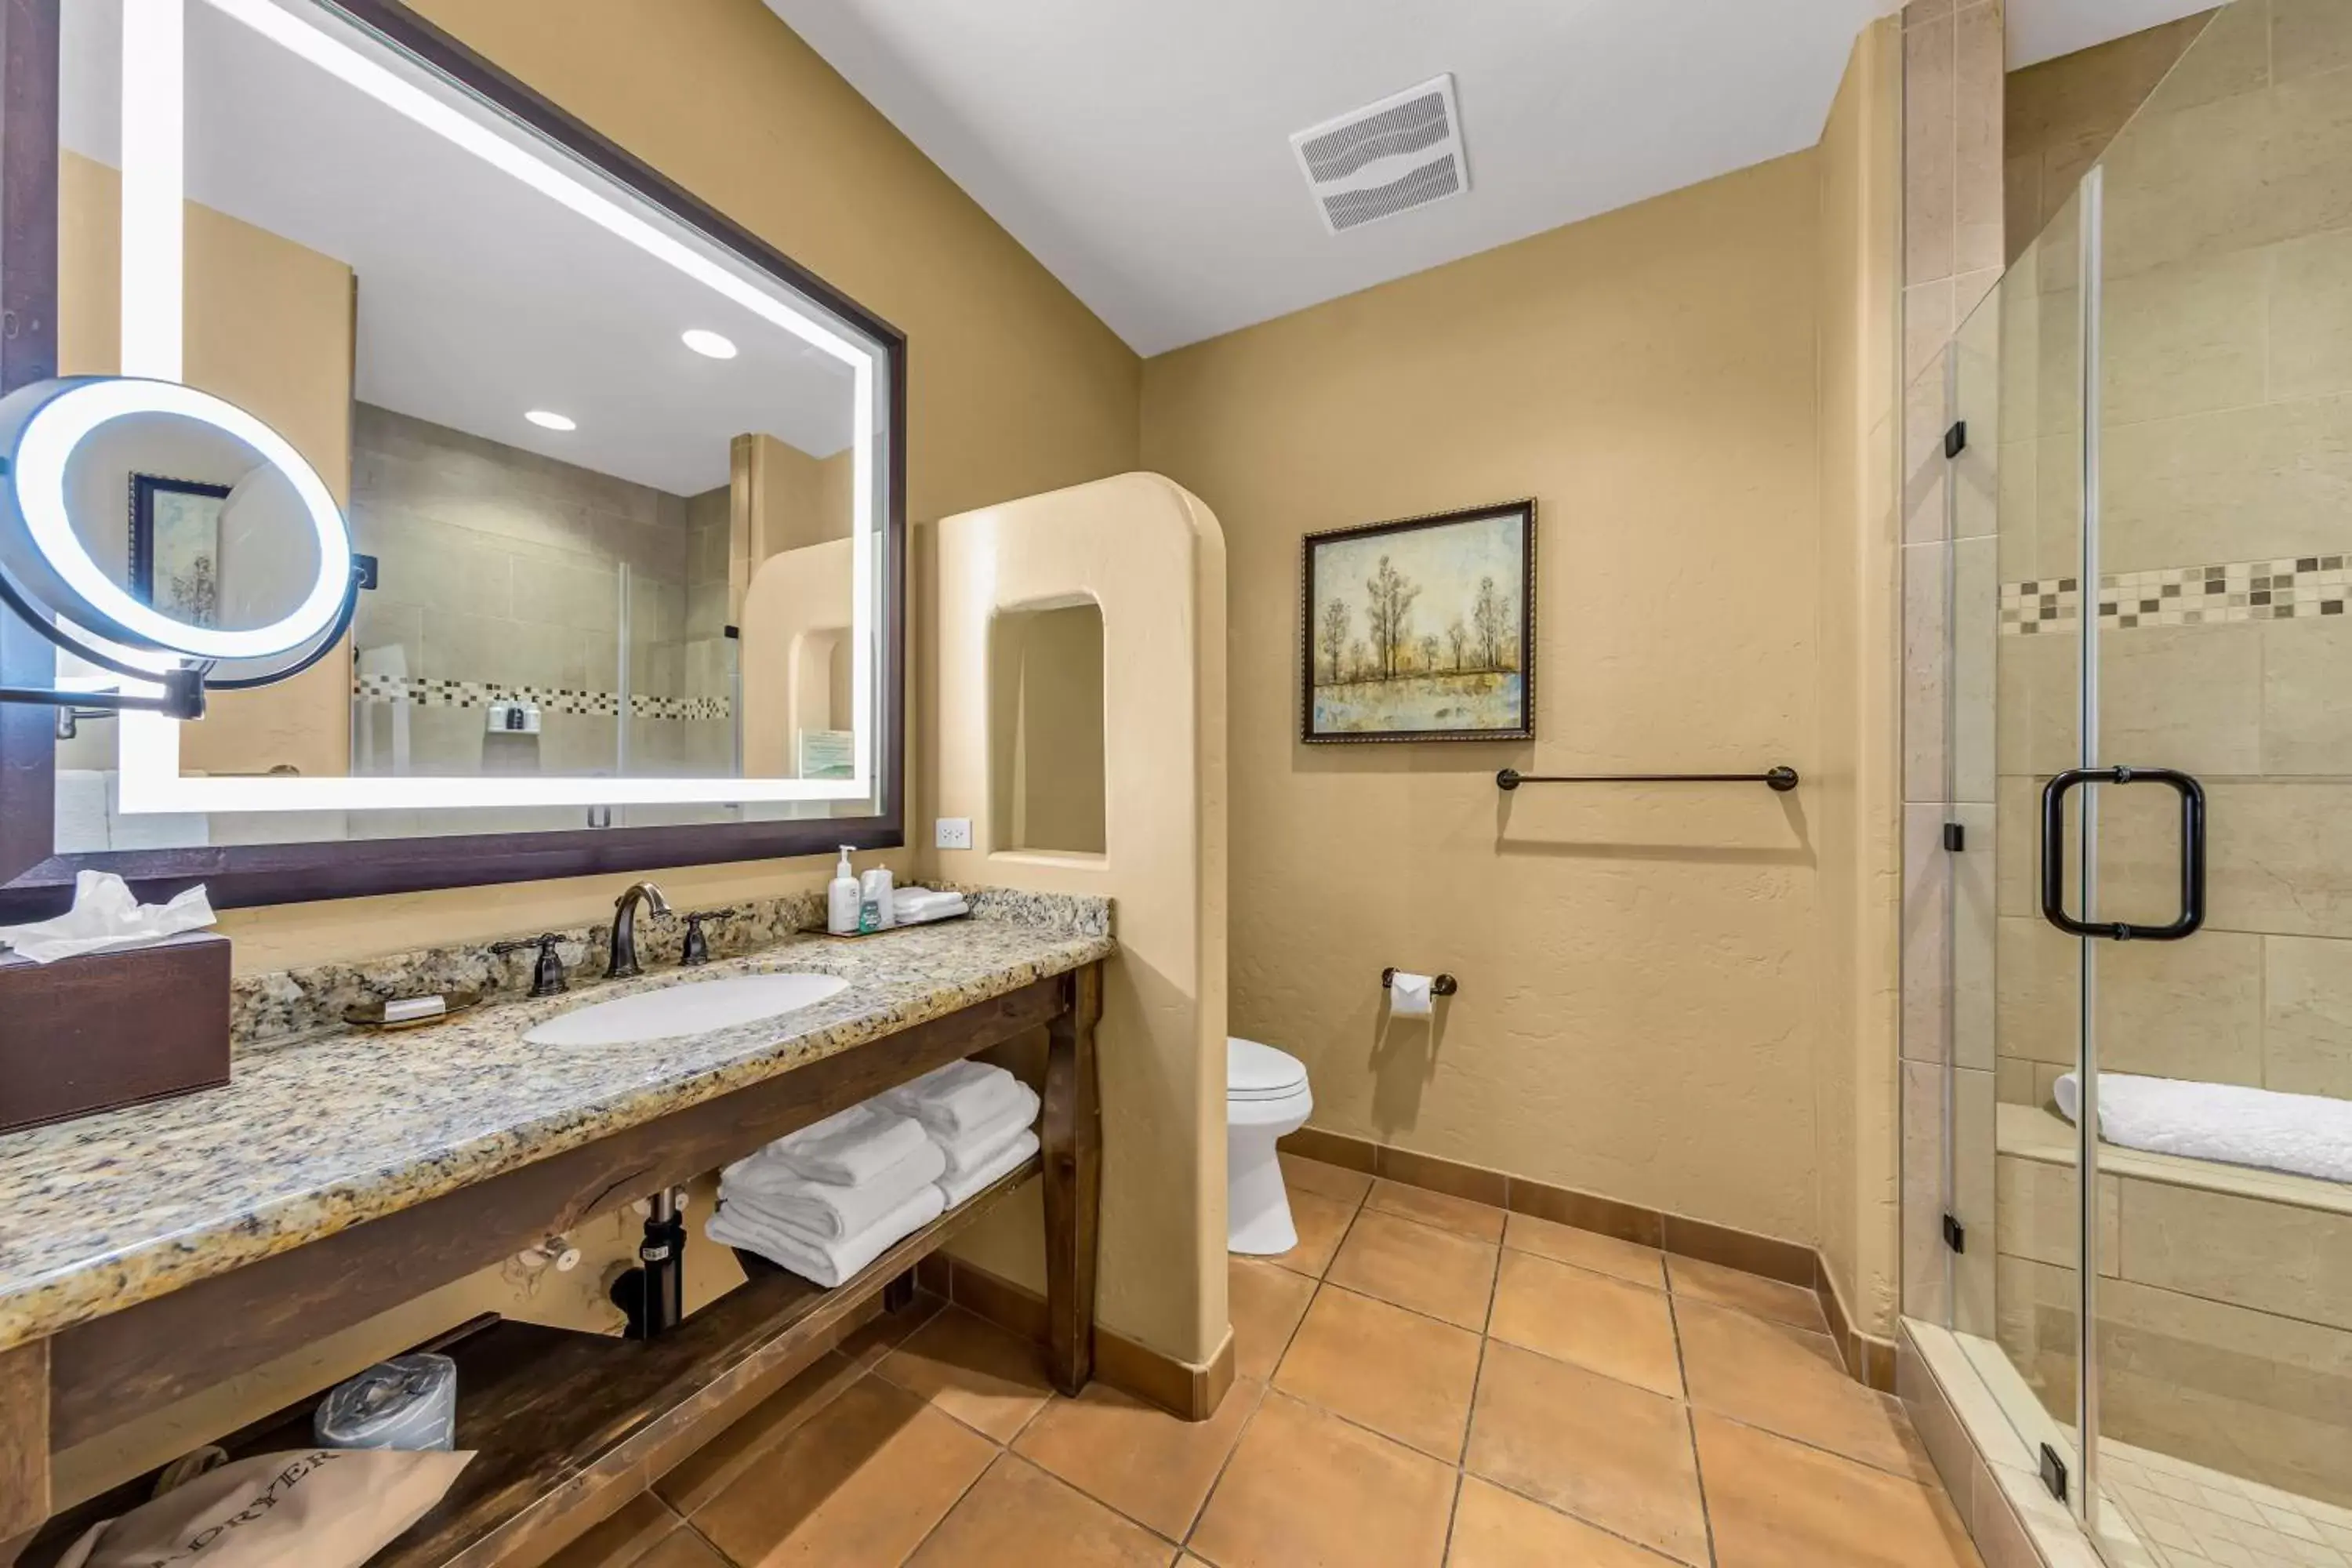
point(153, 1252)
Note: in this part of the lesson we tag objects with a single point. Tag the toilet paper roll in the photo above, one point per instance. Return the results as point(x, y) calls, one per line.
point(1408, 995)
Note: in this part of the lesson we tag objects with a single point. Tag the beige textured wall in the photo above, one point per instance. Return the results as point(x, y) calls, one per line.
point(1013, 386)
point(794, 616)
point(1153, 559)
point(2059, 116)
point(270, 328)
point(1857, 789)
point(1047, 788)
point(1640, 969)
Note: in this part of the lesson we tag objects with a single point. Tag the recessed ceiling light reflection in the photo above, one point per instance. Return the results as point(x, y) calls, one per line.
point(547, 421)
point(708, 344)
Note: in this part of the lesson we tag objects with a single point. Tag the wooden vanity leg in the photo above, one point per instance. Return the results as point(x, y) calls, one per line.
point(1073, 1140)
point(24, 1447)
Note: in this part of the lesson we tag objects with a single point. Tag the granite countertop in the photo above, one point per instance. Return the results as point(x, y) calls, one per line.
point(317, 1134)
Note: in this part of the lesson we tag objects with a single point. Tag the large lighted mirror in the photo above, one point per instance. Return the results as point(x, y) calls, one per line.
point(620, 483)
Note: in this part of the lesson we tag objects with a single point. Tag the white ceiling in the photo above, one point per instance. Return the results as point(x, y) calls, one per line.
point(1141, 151)
point(479, 298)
point(2044, 30)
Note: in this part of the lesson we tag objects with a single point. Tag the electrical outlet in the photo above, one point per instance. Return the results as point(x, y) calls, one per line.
point(952, 833)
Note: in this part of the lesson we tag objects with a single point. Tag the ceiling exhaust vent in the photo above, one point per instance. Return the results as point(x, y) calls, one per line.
point(1386, 158)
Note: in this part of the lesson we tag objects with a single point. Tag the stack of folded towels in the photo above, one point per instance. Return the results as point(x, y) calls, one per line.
point(979, 1118)
point(828, 1200)
point(920, 905)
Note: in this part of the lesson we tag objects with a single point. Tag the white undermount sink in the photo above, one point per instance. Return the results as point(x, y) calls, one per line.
point(694, 1008)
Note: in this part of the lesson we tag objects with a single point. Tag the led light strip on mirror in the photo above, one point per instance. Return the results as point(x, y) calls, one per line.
point(153, 190)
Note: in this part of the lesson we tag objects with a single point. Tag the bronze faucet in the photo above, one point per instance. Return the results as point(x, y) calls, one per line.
point(622, 962)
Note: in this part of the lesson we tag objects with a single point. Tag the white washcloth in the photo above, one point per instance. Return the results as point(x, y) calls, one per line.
point(848, 1149)
point(828, 1211)
point(2303, 1134)
point(976, 1148)
point(913, 906)
point(956, 1098)
point(962, 1189)
point(829, 1263)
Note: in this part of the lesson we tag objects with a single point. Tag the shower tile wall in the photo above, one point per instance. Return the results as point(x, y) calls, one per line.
point(1952, 257)
point(501, 566)
point(2228, 448)
point(2227, 384)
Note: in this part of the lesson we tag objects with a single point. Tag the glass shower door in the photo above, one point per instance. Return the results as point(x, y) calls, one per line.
point(2213, 847)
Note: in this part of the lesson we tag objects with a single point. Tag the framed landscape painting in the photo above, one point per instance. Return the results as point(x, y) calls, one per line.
point(176, 546)
point(1422, 629)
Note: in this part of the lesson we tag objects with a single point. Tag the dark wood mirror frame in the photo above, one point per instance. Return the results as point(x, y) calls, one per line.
point(35, 880)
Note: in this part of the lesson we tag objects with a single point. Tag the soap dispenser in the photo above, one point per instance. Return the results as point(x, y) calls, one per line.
point(841, 899)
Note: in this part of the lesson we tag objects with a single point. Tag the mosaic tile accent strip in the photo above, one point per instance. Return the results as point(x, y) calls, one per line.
point(2302, 588)
point(447, 693)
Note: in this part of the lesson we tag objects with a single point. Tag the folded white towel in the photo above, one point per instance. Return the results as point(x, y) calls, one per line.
point(2303, 1134)
point(975, 1149)
point(962, 1189)
point(828, 1211)
point(831, 1263)
point(954, 1100)
point(925, 907)
point(848, 1149)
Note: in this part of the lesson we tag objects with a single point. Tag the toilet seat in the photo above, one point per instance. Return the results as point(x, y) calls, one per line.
point(1259, 1072)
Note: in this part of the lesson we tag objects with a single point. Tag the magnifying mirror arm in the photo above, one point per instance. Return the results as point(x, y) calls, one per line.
point(183, 688)
point(183, 698)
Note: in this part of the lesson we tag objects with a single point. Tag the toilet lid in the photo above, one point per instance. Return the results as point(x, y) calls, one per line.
point(1254, 1071)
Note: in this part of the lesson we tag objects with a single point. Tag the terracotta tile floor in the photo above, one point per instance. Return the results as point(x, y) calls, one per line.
point(1424, 1383)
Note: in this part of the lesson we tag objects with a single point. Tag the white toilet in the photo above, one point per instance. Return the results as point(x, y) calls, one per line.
point(1266, 1097)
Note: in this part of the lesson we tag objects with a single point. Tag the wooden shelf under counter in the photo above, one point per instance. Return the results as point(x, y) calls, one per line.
point(566, 1426)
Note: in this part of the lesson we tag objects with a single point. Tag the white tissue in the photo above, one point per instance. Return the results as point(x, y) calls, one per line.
point(105, 917)
point(1408, 995)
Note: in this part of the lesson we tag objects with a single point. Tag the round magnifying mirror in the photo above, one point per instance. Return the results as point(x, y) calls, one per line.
point(152, 514)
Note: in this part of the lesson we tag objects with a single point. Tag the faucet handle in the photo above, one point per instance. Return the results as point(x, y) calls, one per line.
point(697, 945)
point(546, 976)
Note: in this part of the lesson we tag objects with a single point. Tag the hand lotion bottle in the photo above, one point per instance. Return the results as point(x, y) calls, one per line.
point(841, 899)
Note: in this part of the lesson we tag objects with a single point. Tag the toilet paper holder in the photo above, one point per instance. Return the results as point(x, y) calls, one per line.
point(1439, 984)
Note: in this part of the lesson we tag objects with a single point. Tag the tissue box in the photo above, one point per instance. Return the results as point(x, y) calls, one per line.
point(107, 1029)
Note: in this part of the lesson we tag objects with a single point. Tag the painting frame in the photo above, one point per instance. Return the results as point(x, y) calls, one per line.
point(1333, 545)
point(147, 548)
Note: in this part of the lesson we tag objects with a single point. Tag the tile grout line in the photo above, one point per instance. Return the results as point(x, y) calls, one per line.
point(1462, 1453)
point(1690, 1428)
point(949, 1512)
point(686, 1522)
point(1201, 1513)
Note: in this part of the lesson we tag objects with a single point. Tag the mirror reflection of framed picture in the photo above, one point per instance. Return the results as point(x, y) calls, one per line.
point(176, 531)
point(1421, 629)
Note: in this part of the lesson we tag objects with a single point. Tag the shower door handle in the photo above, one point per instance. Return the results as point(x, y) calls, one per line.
point(2192, 853)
